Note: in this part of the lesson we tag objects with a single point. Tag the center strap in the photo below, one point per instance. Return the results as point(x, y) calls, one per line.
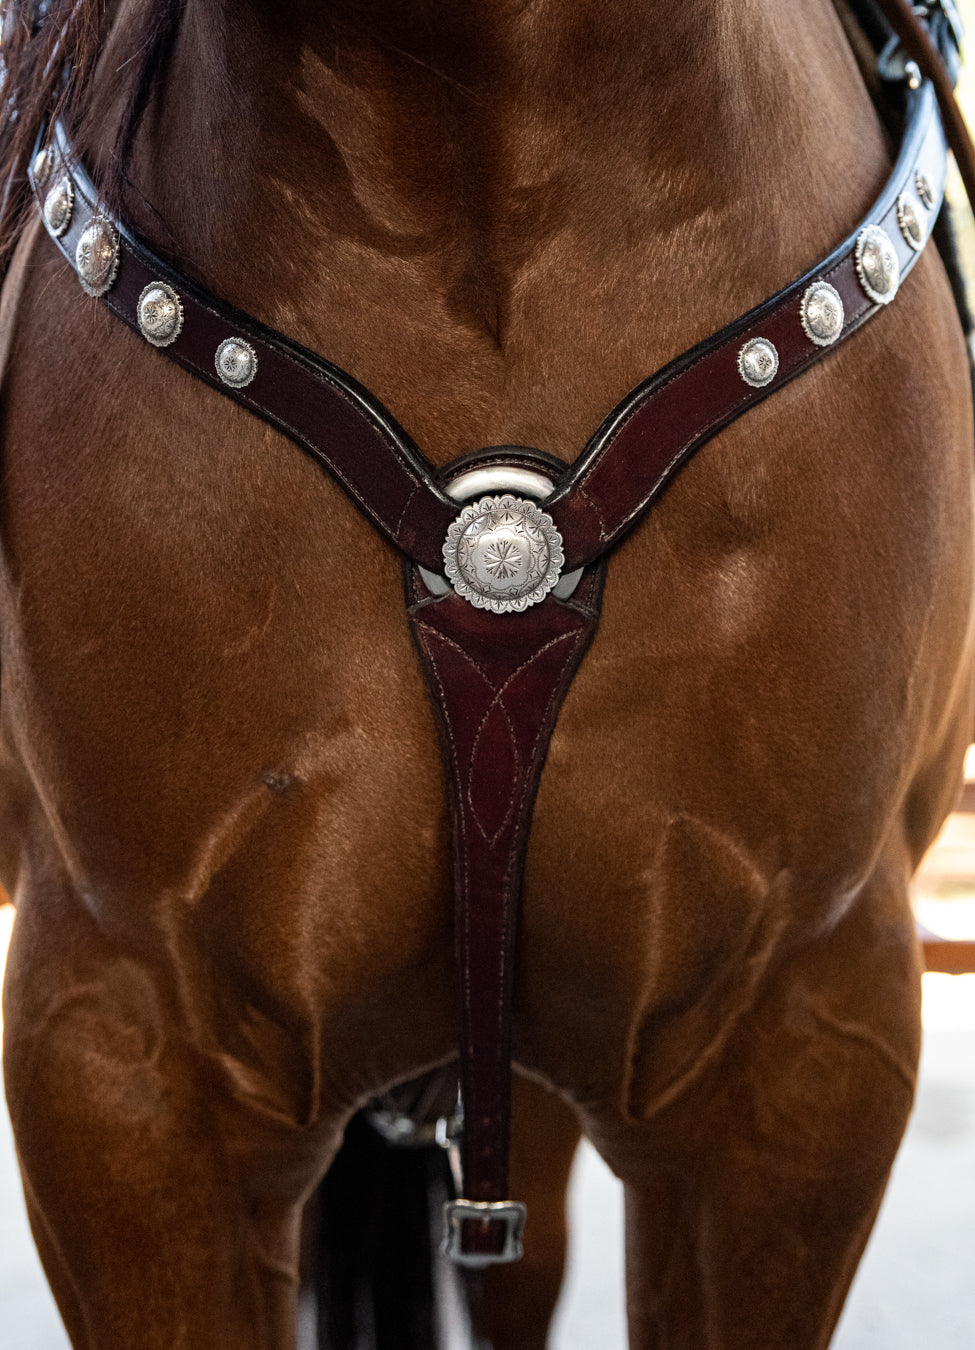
point(499, 681)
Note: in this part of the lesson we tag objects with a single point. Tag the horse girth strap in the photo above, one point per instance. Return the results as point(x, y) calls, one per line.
point(497, 680)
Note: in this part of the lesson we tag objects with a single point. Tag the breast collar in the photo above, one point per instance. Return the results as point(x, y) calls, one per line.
point(498, 657)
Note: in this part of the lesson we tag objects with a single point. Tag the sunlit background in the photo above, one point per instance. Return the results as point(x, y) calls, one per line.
point(916, 1286)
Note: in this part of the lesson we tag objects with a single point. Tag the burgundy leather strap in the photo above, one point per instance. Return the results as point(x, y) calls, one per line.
point(319, 406)
point(602, 495)
point(652, 433)
point(498, 683)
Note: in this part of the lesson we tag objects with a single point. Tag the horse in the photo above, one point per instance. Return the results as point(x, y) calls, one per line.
point(224, 810)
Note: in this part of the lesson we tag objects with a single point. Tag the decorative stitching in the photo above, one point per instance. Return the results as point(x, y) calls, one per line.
point(399, 524)
point(499, 701)
point(523, 786)
point(591, 502)
point(492, 839)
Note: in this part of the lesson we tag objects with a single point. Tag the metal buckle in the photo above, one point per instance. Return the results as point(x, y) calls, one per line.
point(929, 8)
point(512, 1213)
point(947, 36)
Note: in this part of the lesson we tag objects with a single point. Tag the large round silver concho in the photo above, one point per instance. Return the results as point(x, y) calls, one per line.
point(821, 313)
point(96, 256)
point(58, 205)
point(160, 314)
point(503, 554)
point(877, 265)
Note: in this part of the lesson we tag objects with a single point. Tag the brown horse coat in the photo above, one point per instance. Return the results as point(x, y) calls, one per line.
point(223, 817)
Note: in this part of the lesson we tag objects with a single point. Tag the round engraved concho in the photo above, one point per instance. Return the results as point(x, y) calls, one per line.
point(822, 314)
point(758, 362)
point(236, 362)
point(96, 256)
point(58, 205)
point(160, 314)
point(877, 265)
point(924, 190)
point(909, 220)
point(503, 554)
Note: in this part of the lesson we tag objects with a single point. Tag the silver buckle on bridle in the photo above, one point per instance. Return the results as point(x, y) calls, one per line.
point(512, 1213)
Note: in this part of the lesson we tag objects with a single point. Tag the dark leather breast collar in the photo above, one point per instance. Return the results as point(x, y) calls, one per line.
point(497, 680)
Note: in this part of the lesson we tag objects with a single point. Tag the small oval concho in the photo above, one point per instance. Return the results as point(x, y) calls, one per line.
point(160, 314)
point(822, 314)
point(910, 220)
point(503, 554)
point(58, 205)
point(924, 190)
point(43, 166)
point(96, 256)
point(877, 265)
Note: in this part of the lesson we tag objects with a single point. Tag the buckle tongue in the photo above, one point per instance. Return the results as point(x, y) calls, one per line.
point(457, 1213)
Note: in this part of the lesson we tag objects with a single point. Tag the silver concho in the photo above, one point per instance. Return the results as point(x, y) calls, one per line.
point(758, 362)
point(503, 554)
point(822, 314)
point(96, 256)
point(924, 190)
point(42, 166)
point(58, 205)
point(877, 265)
point(236, 362)
point(909, 220)
point(160, 314)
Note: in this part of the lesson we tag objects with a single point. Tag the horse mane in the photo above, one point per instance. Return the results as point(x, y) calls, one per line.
point(49, 59)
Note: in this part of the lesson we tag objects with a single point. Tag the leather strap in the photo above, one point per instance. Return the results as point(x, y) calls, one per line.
point(648, 437)
point(929, 37)
point(652, 432)
point(498, 683)
point(319, 406)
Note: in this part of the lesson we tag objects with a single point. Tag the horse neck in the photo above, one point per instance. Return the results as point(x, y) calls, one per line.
point(471, 104)
point(438, 155)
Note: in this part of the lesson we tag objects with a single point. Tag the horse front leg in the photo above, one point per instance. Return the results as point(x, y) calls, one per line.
point(751, 1192)
point(163, 1176)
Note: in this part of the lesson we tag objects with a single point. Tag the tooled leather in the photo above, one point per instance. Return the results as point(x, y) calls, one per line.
point(518, 666)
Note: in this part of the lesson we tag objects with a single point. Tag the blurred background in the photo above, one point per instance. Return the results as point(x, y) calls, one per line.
point(916, 1286)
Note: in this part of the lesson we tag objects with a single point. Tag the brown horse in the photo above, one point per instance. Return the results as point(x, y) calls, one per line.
point(224, 820)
